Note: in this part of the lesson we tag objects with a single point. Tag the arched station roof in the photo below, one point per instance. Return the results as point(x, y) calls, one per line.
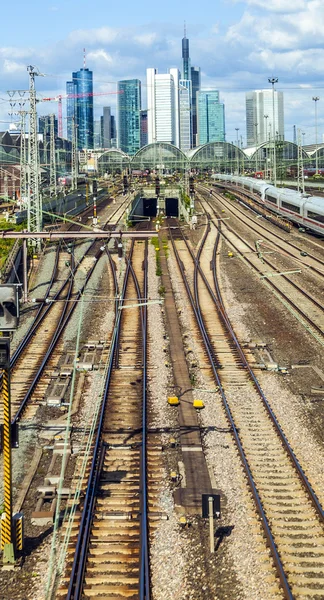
point(113, 160)
point(214, 152)
point(159, 155)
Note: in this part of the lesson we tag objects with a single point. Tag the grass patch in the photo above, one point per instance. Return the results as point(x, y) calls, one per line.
point(155, 242)
point(6, 245)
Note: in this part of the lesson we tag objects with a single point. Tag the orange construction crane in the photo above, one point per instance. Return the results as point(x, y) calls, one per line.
point(66, 96)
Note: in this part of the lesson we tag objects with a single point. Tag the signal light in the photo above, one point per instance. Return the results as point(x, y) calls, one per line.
point(157, 186)
point(191, 185)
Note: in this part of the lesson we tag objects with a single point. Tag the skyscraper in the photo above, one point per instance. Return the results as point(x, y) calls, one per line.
point(129, 107)
point(97, 137)
point(106, 127)
point(210, 117)
point(44, 126)
point(195, 87)
point(162, 101)
point(143, 128)
point(186, 69)
point(259, 116)
point(185, 120)
point(82, 87)
point(71, 90)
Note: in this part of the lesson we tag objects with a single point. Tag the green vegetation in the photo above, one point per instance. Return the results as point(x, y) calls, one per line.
point(165, 246)
point(161, 291)
point(185, 199)
point(6, 244)
point(156, 244)
point(229, 196)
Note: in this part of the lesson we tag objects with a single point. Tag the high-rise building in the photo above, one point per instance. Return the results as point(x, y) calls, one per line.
point(186, 68)
point(259, 116)
point(195, 86)
point(143, 128)
point(106, 127)
point(162, 101)
point(71, 91)
point(210, 117)
point(185, 120)
point(44, 126)
point(81, 107)
point(113, 131)
point(97, 137)
point(129, 107)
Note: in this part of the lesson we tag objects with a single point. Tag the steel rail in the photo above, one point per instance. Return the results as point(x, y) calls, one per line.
point(62, 323)
point(64, 319)
point(274, 234)
point(272, 544)
point(35, 323)
point(80, 556)
point(221, 309)
point(273, 285)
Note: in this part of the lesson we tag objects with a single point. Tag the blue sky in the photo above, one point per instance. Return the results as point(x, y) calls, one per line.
point(237, 44)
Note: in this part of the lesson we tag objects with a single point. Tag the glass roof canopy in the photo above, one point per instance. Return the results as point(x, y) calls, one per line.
point(219, 156)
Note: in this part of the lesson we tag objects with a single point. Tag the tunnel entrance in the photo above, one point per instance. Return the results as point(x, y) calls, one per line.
point(149, 207)
point(171, 207)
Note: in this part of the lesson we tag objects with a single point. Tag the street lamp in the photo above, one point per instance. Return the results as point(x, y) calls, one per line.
point(237, 129)
point(274, 80)
point(316, 98)
point(266, 147)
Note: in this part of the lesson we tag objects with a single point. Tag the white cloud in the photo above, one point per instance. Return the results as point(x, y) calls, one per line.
point(146, 39)
point(279, 6)
point(100, 56)
point(11, 66)
point(102, 35)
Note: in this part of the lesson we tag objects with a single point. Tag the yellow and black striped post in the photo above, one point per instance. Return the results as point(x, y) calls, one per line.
point(18, 530)
point(6, 523)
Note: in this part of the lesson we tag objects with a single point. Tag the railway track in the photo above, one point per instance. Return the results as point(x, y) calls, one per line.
point(288, 508)
point(35, 353)
point(108, 553)
point(305, 307)
point(311, 262)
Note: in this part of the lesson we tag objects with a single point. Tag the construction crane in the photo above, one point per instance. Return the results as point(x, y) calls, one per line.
point(60, 97)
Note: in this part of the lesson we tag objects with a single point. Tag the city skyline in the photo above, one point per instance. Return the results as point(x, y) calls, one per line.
point(236, 51)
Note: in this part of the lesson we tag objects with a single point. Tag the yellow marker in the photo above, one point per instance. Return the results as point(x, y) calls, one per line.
point(173, 400)
point(198, 404)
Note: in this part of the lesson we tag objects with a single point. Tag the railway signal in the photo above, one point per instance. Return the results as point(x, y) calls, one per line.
point(191, 185)
point(157, 186)
point(9, 307)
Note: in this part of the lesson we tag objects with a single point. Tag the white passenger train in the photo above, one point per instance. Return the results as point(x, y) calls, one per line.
point(304, 210)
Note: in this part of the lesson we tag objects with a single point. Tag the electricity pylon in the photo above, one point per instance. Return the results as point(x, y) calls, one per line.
point(52, 157)
point(34, 208)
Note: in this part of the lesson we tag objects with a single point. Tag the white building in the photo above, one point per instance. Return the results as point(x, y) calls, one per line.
point(259, 116)
point(185, 115)
point(163, 106)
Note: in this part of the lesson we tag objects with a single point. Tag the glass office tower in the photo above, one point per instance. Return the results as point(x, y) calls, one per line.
point(70, 107)
point(211, 117)
point(129, 116)
point(195, 87)
point(83, 86)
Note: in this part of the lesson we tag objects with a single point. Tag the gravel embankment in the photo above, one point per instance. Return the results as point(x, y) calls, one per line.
point(240, 556)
